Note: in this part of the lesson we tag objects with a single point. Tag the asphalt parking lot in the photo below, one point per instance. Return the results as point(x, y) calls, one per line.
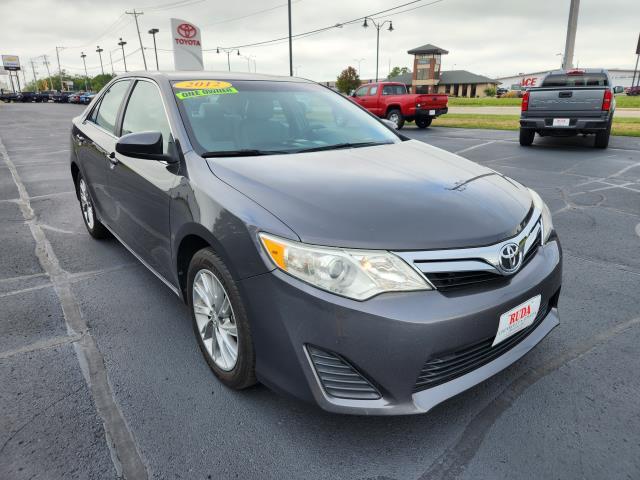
point(100, 375)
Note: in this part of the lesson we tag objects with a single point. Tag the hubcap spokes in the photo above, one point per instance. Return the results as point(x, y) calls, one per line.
point(85, 204)
point(215, 320)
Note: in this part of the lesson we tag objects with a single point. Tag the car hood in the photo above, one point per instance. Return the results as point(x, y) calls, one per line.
point(404, 196)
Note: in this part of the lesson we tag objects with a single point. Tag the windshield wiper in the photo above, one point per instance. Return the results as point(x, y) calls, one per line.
point(338, 146)
point(244, 152)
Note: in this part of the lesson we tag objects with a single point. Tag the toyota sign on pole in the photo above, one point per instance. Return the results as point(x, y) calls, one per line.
point(187, 47)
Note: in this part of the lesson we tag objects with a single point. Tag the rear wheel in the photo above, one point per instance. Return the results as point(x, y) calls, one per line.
point(219, 320)
point(423, 122)
point(602, 138)
point(94, 227)
point(395, 115)
point(526, 136)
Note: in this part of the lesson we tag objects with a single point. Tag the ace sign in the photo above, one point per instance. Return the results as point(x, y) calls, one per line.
point(187, 46)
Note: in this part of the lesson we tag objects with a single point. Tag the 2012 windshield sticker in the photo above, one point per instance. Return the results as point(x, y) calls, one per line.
point(204, 92)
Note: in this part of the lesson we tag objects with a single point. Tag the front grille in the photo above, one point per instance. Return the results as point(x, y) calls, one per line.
point(452, 365)
point(339, 378)
point(445, 281)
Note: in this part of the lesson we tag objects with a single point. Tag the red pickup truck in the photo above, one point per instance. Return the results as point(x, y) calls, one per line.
point(390, 100)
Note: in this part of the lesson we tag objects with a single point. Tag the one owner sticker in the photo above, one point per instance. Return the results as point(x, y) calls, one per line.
point(204, 92)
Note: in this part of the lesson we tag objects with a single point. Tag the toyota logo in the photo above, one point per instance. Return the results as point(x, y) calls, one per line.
point(186, 30)
point(510, 257)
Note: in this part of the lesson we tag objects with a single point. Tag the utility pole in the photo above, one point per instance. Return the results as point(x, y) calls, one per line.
point(572, 26)
point(100, 50)
point(359, 60)
point(290, 43)
point(59, 69)
point(46, 64)
point(153, 32)
point(135, 15)
point(378, 27)
point(35, 79)
point(633, 82)
point(86, 76)
point(122, 43)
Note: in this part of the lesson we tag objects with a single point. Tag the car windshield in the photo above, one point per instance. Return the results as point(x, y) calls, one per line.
point(259, 117)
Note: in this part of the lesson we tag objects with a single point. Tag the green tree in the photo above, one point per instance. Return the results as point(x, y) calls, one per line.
point(397, 71)
point(100, 81)
point(348, 80)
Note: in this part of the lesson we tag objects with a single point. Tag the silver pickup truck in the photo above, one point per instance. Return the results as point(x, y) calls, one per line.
point(569, 102)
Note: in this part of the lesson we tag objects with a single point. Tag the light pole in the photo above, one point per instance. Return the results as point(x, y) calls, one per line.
point(100, 50)
point(561, 58)
point(59, 69)
point(122, 43)
point(290, 42)
point(153, 32)
point(378, 27)
point(86, 75)
point(228, 51)
point(249, 59)
point(359, 60)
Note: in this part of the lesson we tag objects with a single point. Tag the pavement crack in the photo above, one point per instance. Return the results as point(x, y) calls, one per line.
point(125, 456)
point(456, 458)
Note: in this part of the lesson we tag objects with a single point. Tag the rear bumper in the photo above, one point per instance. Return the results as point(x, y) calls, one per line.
point(389, 338)
point(577, 124)
point(426, 112)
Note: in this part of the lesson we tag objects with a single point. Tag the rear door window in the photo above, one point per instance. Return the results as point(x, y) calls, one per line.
point(107, 112)
point(362, 91)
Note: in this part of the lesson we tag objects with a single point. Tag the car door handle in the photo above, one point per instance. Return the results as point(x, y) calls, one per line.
point(112, 158)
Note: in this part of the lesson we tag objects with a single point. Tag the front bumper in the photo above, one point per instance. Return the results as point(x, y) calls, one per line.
point(390, 337)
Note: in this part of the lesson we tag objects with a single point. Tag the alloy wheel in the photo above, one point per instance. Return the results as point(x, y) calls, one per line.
point(86, 205)
point(215, 319)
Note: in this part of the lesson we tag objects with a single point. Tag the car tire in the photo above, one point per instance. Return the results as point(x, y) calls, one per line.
point(526, 136)
point(395, 115)
point(423, 122)
point(225, 341)
point(95, 228)
point(602, 138)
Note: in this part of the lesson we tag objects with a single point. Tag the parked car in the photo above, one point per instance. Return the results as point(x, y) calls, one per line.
point(86, 98)
point(500, 91)
point(633, 90)
point(44, 96)
point(27, 97)
point(318, 251)
point(390, 100)
point(8, 97)
point(570, 102)
point(61, 97)
point(74, 97)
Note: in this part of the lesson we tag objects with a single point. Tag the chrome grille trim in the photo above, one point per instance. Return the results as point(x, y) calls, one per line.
point(475, 259)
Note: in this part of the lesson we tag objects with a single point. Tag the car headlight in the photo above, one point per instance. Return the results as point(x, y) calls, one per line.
point(357, 274)
point(547, 221)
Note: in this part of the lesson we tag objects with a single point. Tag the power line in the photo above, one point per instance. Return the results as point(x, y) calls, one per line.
point(258, 12)
point(331, 27)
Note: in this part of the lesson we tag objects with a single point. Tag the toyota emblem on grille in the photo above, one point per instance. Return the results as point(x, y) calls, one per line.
point(510, 257)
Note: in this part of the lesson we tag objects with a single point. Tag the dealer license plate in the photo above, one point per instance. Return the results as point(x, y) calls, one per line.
point(432, 112)
point(560, 122)
point(516, 319)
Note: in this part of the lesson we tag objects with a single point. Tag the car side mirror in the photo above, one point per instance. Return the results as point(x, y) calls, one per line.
point(144, 145)
point(618, 89)
point(389, 124)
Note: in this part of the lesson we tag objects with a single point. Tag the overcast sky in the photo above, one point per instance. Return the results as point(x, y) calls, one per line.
point(492, 37)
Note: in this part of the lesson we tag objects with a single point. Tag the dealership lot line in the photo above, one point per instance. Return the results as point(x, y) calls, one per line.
point(572, 401)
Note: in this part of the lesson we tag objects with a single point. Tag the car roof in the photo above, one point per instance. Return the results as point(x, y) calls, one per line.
point(208, 75)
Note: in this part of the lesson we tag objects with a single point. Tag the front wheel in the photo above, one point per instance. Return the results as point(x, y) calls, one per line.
point(423, 122)
point(395, 115)
point(219, 320)
point(526, 136)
